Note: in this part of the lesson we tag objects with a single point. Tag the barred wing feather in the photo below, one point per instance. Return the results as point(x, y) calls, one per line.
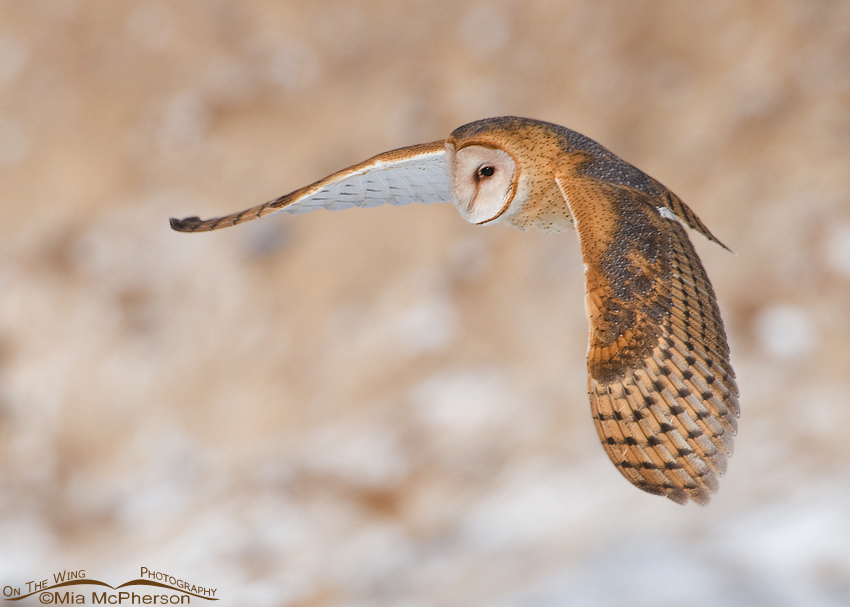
point(413, 174)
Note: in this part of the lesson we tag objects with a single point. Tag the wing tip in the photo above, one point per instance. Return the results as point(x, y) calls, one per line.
point(677, 495)
point(187, 224)
point(680, 495)
point(723, 246)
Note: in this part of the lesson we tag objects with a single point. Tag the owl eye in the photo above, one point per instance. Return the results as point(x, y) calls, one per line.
point(486, 171)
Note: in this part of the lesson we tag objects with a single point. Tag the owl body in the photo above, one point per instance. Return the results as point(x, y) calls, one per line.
point(662, 391)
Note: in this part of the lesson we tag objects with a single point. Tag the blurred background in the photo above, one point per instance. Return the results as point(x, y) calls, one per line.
point(388, 406)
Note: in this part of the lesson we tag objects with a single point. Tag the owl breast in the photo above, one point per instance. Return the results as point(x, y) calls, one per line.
point(538, 204)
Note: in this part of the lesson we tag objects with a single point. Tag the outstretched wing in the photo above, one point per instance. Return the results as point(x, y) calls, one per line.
point(414, 174)
point(662, 391)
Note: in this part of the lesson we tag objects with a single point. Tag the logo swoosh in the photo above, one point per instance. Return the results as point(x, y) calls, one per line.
point(140, 582)
point(68, 583)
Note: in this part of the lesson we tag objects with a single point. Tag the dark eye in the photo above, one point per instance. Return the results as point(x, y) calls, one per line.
point(486, 171)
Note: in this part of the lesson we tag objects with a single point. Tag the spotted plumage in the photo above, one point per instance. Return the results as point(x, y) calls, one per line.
point(662, 391)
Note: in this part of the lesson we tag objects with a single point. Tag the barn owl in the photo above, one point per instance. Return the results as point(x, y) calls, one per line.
point(662, 391)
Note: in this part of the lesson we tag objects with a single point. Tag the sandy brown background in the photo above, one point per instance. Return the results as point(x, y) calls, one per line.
point(388, 407)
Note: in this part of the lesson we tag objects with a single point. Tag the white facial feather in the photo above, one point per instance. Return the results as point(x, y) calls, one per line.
point(481, 181)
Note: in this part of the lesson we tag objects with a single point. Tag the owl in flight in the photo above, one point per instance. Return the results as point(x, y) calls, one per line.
point(662, 391)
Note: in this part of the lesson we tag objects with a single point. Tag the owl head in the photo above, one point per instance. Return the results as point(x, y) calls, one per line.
point(488, 161)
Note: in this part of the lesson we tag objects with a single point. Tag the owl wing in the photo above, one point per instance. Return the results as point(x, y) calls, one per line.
point(662, 392)
point(414, 174)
